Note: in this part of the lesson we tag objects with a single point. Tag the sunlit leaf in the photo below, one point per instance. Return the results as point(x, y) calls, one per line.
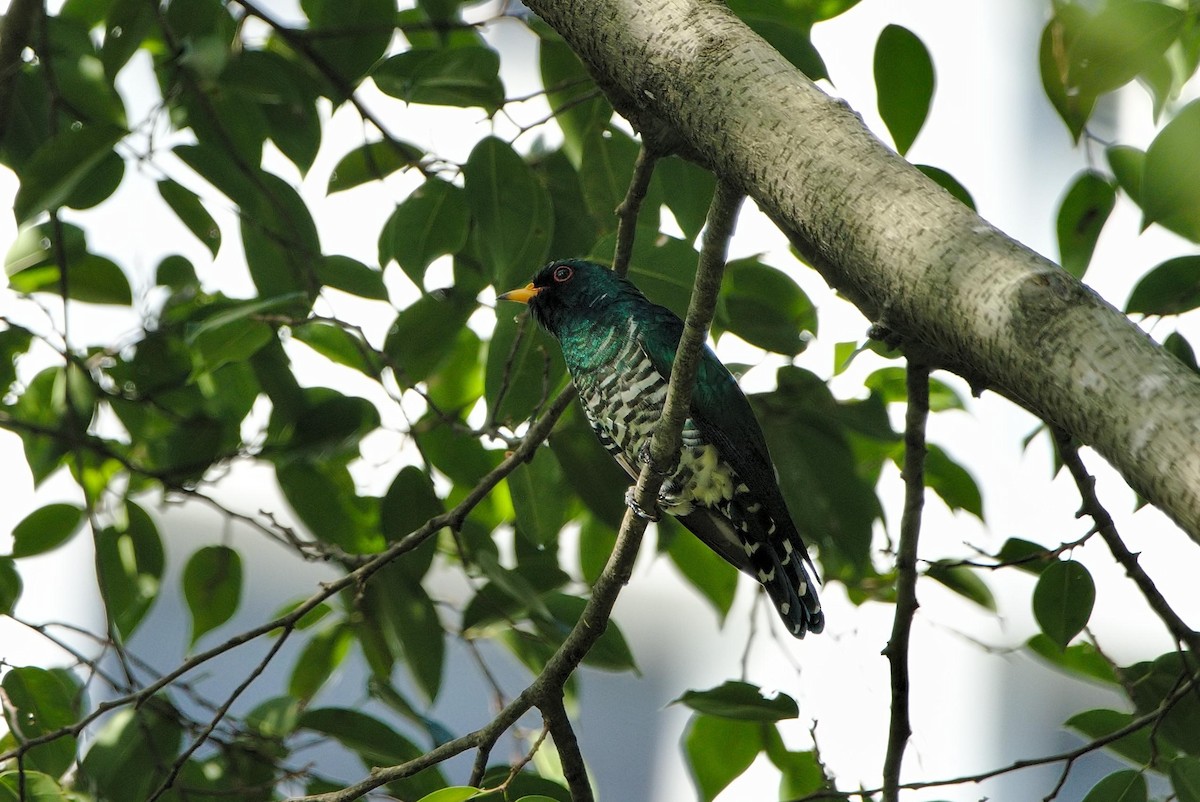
point(373, 161)
point(1170, 191)
point(460, 76)
point(718, 750)
point(1121, 786)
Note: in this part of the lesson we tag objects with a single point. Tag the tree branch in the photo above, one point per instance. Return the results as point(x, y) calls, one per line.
point(574, 769)
point(1104, 525)
point(906, 568)
point(631, 206)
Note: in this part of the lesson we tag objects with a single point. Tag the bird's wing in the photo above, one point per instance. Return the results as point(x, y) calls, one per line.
point(719, 408)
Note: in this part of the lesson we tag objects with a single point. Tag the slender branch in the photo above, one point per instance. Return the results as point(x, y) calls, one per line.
point(906, 567)
point(559, 724)
point(1104, 525)
point(630, 206)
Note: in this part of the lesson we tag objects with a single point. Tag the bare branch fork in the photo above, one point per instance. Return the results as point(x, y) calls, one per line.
point(906, 568)
point(545, 692)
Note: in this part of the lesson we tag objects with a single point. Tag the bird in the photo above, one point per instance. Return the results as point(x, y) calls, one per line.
point(619, 348)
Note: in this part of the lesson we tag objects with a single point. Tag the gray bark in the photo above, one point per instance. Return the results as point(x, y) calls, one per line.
point(694, 79)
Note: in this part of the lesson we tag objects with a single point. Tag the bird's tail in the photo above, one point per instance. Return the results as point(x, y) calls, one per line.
point(787, 574)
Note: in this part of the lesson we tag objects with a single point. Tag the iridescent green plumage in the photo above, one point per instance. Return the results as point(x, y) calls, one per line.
point(619, 348)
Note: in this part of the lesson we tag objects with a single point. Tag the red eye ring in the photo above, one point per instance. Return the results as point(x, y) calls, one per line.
point(563, 273)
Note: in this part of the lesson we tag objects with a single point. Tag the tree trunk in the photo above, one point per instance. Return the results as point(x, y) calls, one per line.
point(960, 295)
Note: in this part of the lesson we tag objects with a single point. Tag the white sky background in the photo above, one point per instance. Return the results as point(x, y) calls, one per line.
point(974, 708)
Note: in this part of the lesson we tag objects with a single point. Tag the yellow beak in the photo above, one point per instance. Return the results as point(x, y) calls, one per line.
point(521, 296)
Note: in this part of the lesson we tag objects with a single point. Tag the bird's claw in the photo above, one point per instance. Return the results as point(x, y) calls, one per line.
point(638, 510)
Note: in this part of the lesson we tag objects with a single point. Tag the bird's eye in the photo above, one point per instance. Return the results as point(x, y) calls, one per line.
point(563, 273)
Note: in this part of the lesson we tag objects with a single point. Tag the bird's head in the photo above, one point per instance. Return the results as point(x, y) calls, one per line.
point(572, 290)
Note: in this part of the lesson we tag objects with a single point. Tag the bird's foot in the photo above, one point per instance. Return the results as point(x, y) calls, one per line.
point(638, 510)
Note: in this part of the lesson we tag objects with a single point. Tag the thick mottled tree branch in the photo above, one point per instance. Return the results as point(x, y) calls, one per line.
point(906, 570)
point(958, 293)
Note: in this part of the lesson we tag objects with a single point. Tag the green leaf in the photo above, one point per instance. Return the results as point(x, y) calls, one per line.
point(352, 276)
point(320, 658)
point(1025, 555)
point(949, 183)
point(686, 189)
point(410, 502)
point(540, 496)
point(432, 221)
point(582, 109)
point(1081, 217)
point(1128, 163)
point(411, 625)
point(129, 568)
point(339, 345)
point(892, 386)
point(322, 494)
point(1170, 191)
point(375, 743)
point(424, 334)
point(512, 210)
point(904, 82)
point(1185, 778)
point(10, 585)
point(373, 161)
point(45, 529)
point(212, 586)
point(765, 307)
point(715, 579)
point(234, 341)
point(1170, 288)
point(951, 481)
point(191, 212)
point(59, 166)
point(1099, 723)
point(349, 35)
point(39, 702)
point(1073, 105)
point(462, 76)
point(792, 41)
point(1120, 786)
point(611, 651)
point(458, 383)
point(458, 793)
point(1151, 683)
point(963, 581)
point(1081, 659)
point(32, 266)
point(519, 376)
point(589, 469)
point(742, 701)
point(1121, 41)
point(605, 167)
point(129, 757)
point(718, 750)
point(1063, 599)
point(1177, 345)
point(31, 786)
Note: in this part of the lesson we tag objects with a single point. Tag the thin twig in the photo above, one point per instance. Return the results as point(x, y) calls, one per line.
point(906, 568)
point(559, 724)
point(630, 206)
point(1104, 525)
